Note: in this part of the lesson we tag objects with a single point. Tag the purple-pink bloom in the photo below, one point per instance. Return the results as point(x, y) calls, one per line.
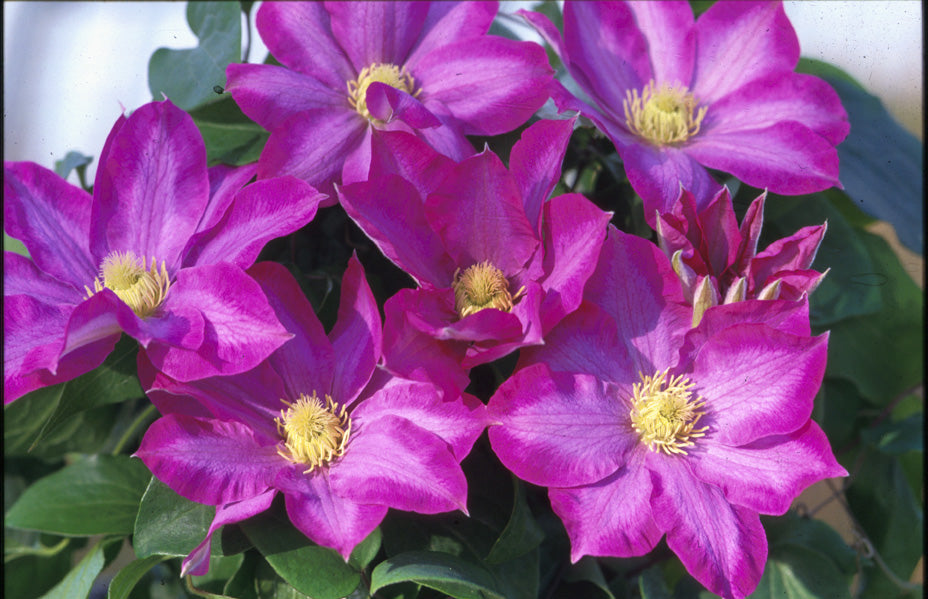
point(352, 67)
point(677, 96)
point(642, 426)
point(496, 264)
point(319, 422)
point(158, 252)
point(718, 263)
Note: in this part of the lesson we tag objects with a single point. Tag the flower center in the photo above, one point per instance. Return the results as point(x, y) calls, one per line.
point(390, 74)
point(482, 286)
point(142, 287)
point(314, 433)
point(664, 414)
point(664, 116)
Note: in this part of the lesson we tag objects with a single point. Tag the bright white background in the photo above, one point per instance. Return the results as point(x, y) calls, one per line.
point(69, 67)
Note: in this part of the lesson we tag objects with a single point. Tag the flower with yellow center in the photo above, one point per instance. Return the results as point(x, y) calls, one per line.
point(665, 115)
point(314, 433)
point(143, 288)
point(664, 414)
point(390, 74)
point(482, 286)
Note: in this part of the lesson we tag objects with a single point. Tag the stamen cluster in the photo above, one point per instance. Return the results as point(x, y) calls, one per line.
point(482, 286)
point(390, 74)
point(663, 414)
point(143, 288)
point(314, 433)
point(664, 115)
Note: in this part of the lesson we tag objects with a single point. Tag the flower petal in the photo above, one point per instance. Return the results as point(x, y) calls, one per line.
point(386, 103)
point(270, 94)
point(262, 211)
point(224, 183)
point(757, 381)
point(357, 337)
point(52, 218)
point(299, 35)
point(197, 561)
point(377, 32)
point(559, 429)
point(325, 517)
point(21, 276)
point(767, 475)
point(489, 84)
point(401, 153)
point(535, 161)
point(796, 252)
point(668, 29)
point(392, 462)
point(449, 22)
point(611, 517)
point(209, 461)
point(737, 42)
point(154, 188)
point(723, 546)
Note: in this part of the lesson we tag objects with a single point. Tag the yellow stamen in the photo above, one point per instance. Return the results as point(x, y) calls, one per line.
point(390, 74)
point(142, 287)
point(664, 116)
point(482, 286)
point(663, 414)
point(315, 434)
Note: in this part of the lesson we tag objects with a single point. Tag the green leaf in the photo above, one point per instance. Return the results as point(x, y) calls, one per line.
point(652, 584)
point(882, 354)
point(269, 585)
point(848, 289)
point(129, 576)
point(587, 570)
point(316, 571)
point(230, 136)
point(518, 577)
point(11, 244)
point(78, 582)
point(187, 77)
point(881, 165)
point(445, 573)
point(522, 533)
point(826, 70)
point(897, 438)
point(71, 161)
point(837, 410)
point(98, 495)
point(366, 550)
point(31, 576)
point(791, 530)
point(801, 574)
point(242, 584)
point(221, 569)
point(168, 524)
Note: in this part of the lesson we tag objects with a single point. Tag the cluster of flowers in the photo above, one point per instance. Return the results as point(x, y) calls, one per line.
point(660, 389)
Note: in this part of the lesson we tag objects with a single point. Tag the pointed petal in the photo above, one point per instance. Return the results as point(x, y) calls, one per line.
point(758, 381)
point(490, 84)
point(299, 35)
point(393, 462)
point(224, 183)
point(21, 276)
point(535, 161)
point(611, 517)
point(720, 235)
point(448, 138)
point(241, 328)
point(574, 232)
point(377, 32)
point(751, 226)
point(449, 22)
point(723, 546)
point(478, 213)
point(401, 153)
point(154, 188)
point(737, 42)
point(796, 252)
point(668, 29)
point(386, 103)
point(767, 475)
point(325, 517)
point(209, 461)
point(270, 94)
point(262, 211)
point(197, 562)
point(788, 316)
point(356, 338)
point(559, 429)
point(52, 218)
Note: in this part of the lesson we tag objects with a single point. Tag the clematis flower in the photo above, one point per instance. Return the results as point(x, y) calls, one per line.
point(718, 262)
point(157, 252)
point(319, 422)
point(352, 67)
point(677, 96)
point(496, 265)
point(641, 426)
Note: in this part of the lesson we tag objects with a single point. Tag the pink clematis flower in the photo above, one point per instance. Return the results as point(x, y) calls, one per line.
point(319, 422)
point(642, 426)
point(718, 262)
point(676, 96)
point(157, 252)
point(496, 264)
point(352, 67)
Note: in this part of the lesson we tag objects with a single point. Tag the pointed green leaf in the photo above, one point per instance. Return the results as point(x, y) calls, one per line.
point(169, 524)
point(129, 576)
point(445, 573)
point(77, 584)
point(522, 533)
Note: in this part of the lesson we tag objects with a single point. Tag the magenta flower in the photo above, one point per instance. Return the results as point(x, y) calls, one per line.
point(497, 265)
point(676, 96)
point(157, 252)
point(718, 262)
point(319, 421)
point(642, 426)
point(352, 67)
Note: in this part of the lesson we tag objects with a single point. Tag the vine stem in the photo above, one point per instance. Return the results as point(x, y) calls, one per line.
point(136, 424)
